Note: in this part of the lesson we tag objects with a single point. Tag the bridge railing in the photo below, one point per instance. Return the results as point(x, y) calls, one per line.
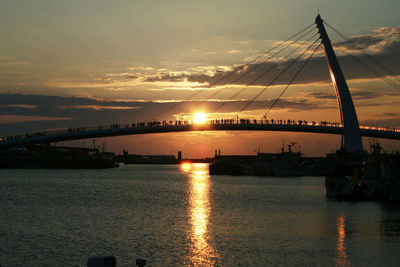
point(238, 121)
point(388, 128)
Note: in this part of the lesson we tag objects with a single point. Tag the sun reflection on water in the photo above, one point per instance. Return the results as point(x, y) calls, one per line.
point(202, 250)
point(341, 259)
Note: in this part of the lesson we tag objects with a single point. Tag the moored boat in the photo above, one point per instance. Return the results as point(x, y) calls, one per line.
point(375, 176)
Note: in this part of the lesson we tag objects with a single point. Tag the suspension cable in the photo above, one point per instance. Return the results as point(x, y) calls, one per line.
point(375, 72)
point(272, 56)
point(291, 53)
point(278, 76)
point(234, 71)
point(263, 74)
point(265, 53)
point(376, 61)
point(291, 81)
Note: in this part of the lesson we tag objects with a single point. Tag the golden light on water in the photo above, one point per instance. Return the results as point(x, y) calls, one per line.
point(202, 251)
point(199, 118)
point(341, 259)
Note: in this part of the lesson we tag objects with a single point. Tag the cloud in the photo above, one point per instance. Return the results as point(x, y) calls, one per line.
point(8, 119)
point(383, 44)
point(390, 114)
point(98, 107)
point(245, 43)
point(235, 51)
point(12, 61)
point(166, 77)
point(22, 106)
point(362, 42)
point(322, 95)
point(39, 112)
point(381, 40)
point(356, 94)
point(262, 74)
point(141, 68)
point(168, 88)
point(365, 94)
point(85, 111)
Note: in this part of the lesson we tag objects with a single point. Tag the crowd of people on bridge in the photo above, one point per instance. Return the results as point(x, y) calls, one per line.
point(164, 123)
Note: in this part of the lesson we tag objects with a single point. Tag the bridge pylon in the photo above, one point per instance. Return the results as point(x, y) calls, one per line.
point(351, 139)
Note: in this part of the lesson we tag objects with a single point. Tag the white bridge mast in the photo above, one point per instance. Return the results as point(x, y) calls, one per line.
point(351, 139)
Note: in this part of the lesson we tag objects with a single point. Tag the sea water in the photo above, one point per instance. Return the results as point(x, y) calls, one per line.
point(172, 215)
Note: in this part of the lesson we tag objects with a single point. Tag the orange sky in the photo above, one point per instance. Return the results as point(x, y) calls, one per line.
point(88, 63)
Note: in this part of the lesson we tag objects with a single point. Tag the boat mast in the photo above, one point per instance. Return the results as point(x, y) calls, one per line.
point(351, 139)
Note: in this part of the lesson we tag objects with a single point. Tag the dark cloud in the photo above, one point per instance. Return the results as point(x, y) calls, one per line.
point(364, 94)
point(320, 95)
point(383, 44)
point(359, 95)
point(166, 77)
point(362, 42)
point(235, 106)
point(382, 40)
point(131, 77)
point(81, 111)
point(50, 112)
point(85, 112)
point(390, 114)
point(356, 94)
point(316, 71)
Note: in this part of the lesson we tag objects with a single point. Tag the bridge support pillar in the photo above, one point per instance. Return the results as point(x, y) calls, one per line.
point(351, 139)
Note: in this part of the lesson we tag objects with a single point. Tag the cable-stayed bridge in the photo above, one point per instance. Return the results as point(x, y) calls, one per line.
point(184, 126)
point(348, 127)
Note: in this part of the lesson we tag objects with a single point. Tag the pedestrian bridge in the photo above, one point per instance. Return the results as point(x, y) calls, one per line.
point(156, 127)
point(348, 127)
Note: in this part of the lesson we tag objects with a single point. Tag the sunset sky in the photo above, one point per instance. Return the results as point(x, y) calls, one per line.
point(97, 62)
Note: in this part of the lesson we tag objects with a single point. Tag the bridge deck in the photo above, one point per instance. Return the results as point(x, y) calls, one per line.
point(117, 130)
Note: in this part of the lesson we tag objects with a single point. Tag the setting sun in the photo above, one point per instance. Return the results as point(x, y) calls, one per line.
point(186, 166)
point(199, 118)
